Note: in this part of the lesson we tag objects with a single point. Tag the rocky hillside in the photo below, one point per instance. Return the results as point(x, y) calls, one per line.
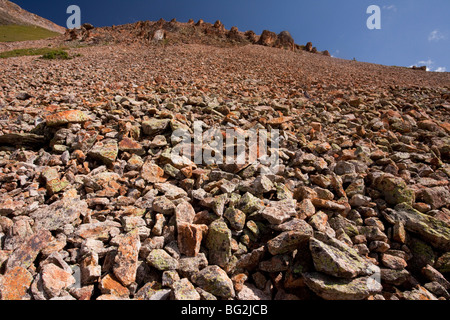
point(200, 32)
point(94, 205)
point(10, 13)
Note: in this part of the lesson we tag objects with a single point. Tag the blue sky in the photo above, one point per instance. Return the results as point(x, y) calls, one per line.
point(413, 32)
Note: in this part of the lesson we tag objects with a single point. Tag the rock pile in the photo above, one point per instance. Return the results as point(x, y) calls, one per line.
point(190, 32)
point(93, 204)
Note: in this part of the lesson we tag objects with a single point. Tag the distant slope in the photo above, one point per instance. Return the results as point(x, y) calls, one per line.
point(12, 33)
point(12, 14)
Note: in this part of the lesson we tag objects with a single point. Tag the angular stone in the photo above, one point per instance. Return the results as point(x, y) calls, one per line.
point(419, 293)
point(330, 288)
point(279, 211)
point(22, 139)
point(184, 290)
point(111, 286)
point(395, 277)
point(90, 270)
point(155, 126)
point(60, 213)
point(338, 263)
point(190, 238)
point(236, 218)
point(393, 262)
point(216, 281)
point(295, 225)
point(398, 232)
point(131, 146)
point(163, 205)
point(26, 253)
point(434, 231)
point(288, 241)
point(218, 242)
point(161, 260)
point(96, 230)
point(250, 292)
point(147, 291)
point(152, 173)
point(249, 203)
point(65, 117)
point(188, 266)
point(184, 213)
point(55, 280)
point(437, 197)
point(395, 190)
point(126, 260)
point(251, 260)
point(170, 191)
point(306, 209)
point(435, 276)
point(105, 151)
point(15, 283)
point(263, 184)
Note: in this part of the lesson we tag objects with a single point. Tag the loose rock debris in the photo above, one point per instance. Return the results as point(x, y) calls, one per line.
point(94, 206)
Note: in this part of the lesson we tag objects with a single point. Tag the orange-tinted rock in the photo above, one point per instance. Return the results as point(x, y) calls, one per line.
point(131, 146)
point(55, 280)
point(15, 283)
point(110, 285)
point(190, 238)
point(126, 260)
point(65, 117)
point(152, 173)
point(268, 38)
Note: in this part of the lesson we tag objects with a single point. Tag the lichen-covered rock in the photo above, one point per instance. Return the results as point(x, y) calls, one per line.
point(434, 231)
point(218, 242)
point(395, 190)
point(236, 218)
point(59, 214)
point(330, 288)
point(216, 281)
point(338, 263)
point(126, 260)
point(27, 252)
point(161, 260)
point(15, 283)
point(288, 241)
point(249, 203)
point(105, 151)
point(184, 290)
point(152, 173)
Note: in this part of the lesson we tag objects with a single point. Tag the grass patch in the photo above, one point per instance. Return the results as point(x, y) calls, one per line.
point(45, 53)
point(56, 54)
point(12, 33)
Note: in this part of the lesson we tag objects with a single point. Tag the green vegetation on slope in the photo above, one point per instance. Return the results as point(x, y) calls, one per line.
point(45, 53)
point(11, 33)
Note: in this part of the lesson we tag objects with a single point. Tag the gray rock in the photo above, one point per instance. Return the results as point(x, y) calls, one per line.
point(434, 231)
point(337, 262)
point(278, 212)
point(288, 241)
point(330, 288)
point(161, 260)
point(218, 242)
point(216, 281)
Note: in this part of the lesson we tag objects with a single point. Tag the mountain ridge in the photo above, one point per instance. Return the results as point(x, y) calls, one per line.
point(11, 13)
